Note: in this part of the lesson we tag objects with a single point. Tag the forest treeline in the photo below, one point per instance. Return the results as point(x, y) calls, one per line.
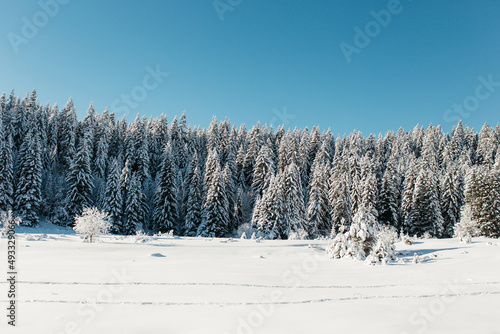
point(159, 175)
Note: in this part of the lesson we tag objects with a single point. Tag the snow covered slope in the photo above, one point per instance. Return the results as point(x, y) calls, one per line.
point(196, 285)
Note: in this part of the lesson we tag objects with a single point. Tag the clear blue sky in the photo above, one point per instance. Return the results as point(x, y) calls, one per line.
point(263, 56)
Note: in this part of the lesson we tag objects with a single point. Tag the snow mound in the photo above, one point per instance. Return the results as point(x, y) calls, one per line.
point(157, 255)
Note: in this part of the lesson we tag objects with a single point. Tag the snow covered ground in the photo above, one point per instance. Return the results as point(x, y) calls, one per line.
point(196, 285)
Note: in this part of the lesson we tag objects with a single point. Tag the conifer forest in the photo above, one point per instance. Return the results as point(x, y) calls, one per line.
point(161, 175)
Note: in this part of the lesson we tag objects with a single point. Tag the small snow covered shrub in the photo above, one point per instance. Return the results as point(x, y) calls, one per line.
point(467, 227)
point(416, 258)
point(407, 240)
point(7, 219)
point(92, 222)
point(243, 235)
point(361, 235)
point(385, 249)
point(301, 234)
point(140, 236)
point(358, 242)
point(338, 248)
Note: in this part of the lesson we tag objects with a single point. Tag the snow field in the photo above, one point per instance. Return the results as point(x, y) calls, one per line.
point(242, 286)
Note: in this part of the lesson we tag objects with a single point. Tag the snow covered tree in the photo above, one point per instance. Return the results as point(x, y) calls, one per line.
point(135, 207)
point(28, 190)
point(368, 187)
point(79, 180)
point(294, 207)
point(482, 194)
point(384, 249)
point(338, 248)
point(263, 170)
point(91, 222)
point(8, 221)
point(408, 190)
point(426, 211)
point(388, 199)
point(340, 198)
point(6, 172)
point(194, 204)
point(113, 202)
point(452, 200)
point(165, 215)
point(229, 186)
point(101, 157)
point(361, 235)
point(318, 210)
point(67, 135)
point(215, 211)
point(467, 227)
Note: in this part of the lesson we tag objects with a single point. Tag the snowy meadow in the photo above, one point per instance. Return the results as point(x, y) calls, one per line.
point(130, 284)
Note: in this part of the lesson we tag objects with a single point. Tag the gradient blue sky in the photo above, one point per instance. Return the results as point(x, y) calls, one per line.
point(264, 56)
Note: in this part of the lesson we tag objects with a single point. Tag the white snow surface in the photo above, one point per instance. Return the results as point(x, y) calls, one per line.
point(202, 285)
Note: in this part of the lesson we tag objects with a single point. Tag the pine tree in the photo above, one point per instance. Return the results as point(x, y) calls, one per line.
point(388, 199)
point(113, 202)
point(482, 194)
point(194, 203)
point(28, 190)
point(229, 186)
point(318, 210)
point(269, 215)
point(135, 207)
point(79, 180)
point(426, 212)
point(452, 200)
point(369, 187)
point(294, 207)
point(101, 158)
point(340, 198)
point(263, 170)
point(67, 135)
point(409, 188)
point(165, 215)
point(6, 173)
point(361, 235)
point(215, 211)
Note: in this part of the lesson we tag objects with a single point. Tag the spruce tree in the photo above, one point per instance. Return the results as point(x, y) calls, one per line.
point(79, 181)
point(263, 170)
point(426, 211)
point(318, 210)
point(6, 172)
point(340, 199)
point(194, 203)
point(388, 200)
point(165, 215)
point(215, 210)
point(451, 200)
point(482, 194)
point(28, 190)
point(113, 202)
point(294, 207)
point(135, 207)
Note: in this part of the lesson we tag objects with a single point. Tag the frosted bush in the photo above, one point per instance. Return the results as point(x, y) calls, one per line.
point(301, 234)
point(6, 219)
point(338, 248)
point(416, 258)
point(467, 227)
point(92, 222)
point(140, 236)
point(385, 249)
